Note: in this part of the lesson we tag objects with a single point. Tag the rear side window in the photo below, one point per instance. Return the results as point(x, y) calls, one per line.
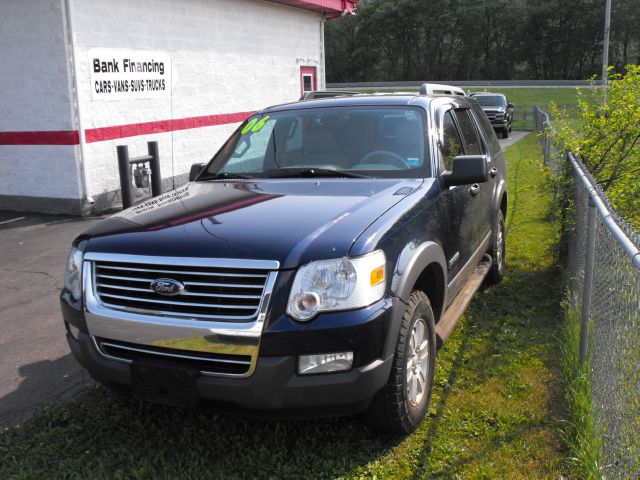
point(473, 146)
point(486, 128)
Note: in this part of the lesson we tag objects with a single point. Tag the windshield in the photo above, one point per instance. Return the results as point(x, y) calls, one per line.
point(358, 141)
point(491, 100)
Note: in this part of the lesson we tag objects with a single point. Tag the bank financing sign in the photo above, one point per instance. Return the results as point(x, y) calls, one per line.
point(118, 74)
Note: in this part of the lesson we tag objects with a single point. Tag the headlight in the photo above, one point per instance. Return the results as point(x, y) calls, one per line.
point(337, 284)
point(73, 275)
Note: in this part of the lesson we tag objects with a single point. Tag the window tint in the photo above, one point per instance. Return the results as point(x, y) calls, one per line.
point(491, 100)
point(452, 145)
point(294, 137)
point(469, 133)
point(483, 122)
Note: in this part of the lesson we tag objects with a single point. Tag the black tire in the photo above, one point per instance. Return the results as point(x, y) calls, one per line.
point(497, 252)
point(505, 133)
point(392, 410)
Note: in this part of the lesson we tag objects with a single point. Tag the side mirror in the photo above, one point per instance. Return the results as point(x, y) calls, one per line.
point(510, 105)
point(195, 170)
point(467, 169)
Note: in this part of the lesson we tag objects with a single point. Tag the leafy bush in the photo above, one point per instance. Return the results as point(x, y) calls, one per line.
point(606, 137)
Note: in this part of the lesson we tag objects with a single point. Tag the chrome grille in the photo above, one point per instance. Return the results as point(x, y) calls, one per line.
point(229, 293)
point(491, 114)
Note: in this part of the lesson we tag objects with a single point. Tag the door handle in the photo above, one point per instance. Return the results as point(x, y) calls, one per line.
point(474, 189)
point(493, 172)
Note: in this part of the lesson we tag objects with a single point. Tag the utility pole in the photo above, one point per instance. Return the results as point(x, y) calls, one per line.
point(605, 50)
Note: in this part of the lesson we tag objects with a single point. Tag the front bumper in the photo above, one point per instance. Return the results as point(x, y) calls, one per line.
point(274, 384)
point(500, 124)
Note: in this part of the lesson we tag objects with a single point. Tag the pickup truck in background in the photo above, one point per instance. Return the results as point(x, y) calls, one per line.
point(498, 110)
point(312, 267)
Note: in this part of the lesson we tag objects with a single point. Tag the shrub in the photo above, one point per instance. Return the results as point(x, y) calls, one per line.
point(606, 137)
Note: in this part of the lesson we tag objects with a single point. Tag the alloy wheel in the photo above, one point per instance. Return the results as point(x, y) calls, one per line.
point(417, 363)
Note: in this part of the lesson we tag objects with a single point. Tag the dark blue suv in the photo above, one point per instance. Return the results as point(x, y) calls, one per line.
point(312, 267)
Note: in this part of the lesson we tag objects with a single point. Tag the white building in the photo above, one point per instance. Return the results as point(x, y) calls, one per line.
point(79, 77)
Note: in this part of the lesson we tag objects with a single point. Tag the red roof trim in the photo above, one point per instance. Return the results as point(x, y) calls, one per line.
point(331, 7)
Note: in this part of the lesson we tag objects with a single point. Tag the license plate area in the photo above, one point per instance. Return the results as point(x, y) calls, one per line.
point(165, 383)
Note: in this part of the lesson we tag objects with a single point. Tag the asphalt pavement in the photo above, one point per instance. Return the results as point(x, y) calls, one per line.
point(36, 367)
point(513, 138)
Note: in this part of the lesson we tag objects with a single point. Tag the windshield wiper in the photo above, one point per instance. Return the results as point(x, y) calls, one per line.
point(312, 172)
point(226, 175)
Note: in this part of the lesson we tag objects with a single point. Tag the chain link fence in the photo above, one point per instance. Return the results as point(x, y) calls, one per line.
point(604, 273)
point(528, 118)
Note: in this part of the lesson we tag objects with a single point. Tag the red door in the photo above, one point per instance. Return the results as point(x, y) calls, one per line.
point(307, 80)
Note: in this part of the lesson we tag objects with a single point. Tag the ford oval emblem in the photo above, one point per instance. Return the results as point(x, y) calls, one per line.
point(167, 286)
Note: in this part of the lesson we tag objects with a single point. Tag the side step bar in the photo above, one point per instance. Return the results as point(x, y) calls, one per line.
point(450, 318)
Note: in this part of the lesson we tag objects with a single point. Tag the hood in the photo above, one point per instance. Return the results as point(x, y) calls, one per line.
point(493, 108)
point(293, 221)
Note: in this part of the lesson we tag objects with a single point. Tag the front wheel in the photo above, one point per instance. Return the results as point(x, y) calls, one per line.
point(401, 404)
point(505, 133)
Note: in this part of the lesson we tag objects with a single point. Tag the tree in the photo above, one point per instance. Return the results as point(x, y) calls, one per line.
point(478, 39)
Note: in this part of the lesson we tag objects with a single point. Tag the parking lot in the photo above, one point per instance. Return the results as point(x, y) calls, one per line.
point(37, 368)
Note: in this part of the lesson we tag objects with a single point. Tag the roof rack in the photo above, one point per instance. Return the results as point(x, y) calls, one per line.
point(440, 89)
point(318, 94)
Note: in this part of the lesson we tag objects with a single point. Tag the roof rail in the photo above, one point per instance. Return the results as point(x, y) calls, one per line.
point(317, 94)
point(440, 89)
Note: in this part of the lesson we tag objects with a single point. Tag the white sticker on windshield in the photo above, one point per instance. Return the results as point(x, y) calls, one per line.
point(413, 162)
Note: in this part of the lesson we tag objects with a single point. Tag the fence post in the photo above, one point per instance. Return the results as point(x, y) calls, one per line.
point(588, 280)
point(154, 163)
point(547, 150)
point(126, 188)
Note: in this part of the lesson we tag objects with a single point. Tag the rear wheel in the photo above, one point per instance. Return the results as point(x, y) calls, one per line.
point(401, 404)
point(497, 251)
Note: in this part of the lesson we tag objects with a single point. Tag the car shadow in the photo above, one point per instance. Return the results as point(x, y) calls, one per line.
point(176, 441)
point(41, 384)
point(470, 353)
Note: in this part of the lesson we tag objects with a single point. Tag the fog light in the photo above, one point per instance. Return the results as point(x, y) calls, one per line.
point(325, 363)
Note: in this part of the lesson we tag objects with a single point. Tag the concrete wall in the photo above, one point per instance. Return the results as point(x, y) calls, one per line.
point(35, 97)
point(227, 56)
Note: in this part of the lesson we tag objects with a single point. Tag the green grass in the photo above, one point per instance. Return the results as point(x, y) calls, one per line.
point(580, 432)
point(523, 98)
point(496, 411)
